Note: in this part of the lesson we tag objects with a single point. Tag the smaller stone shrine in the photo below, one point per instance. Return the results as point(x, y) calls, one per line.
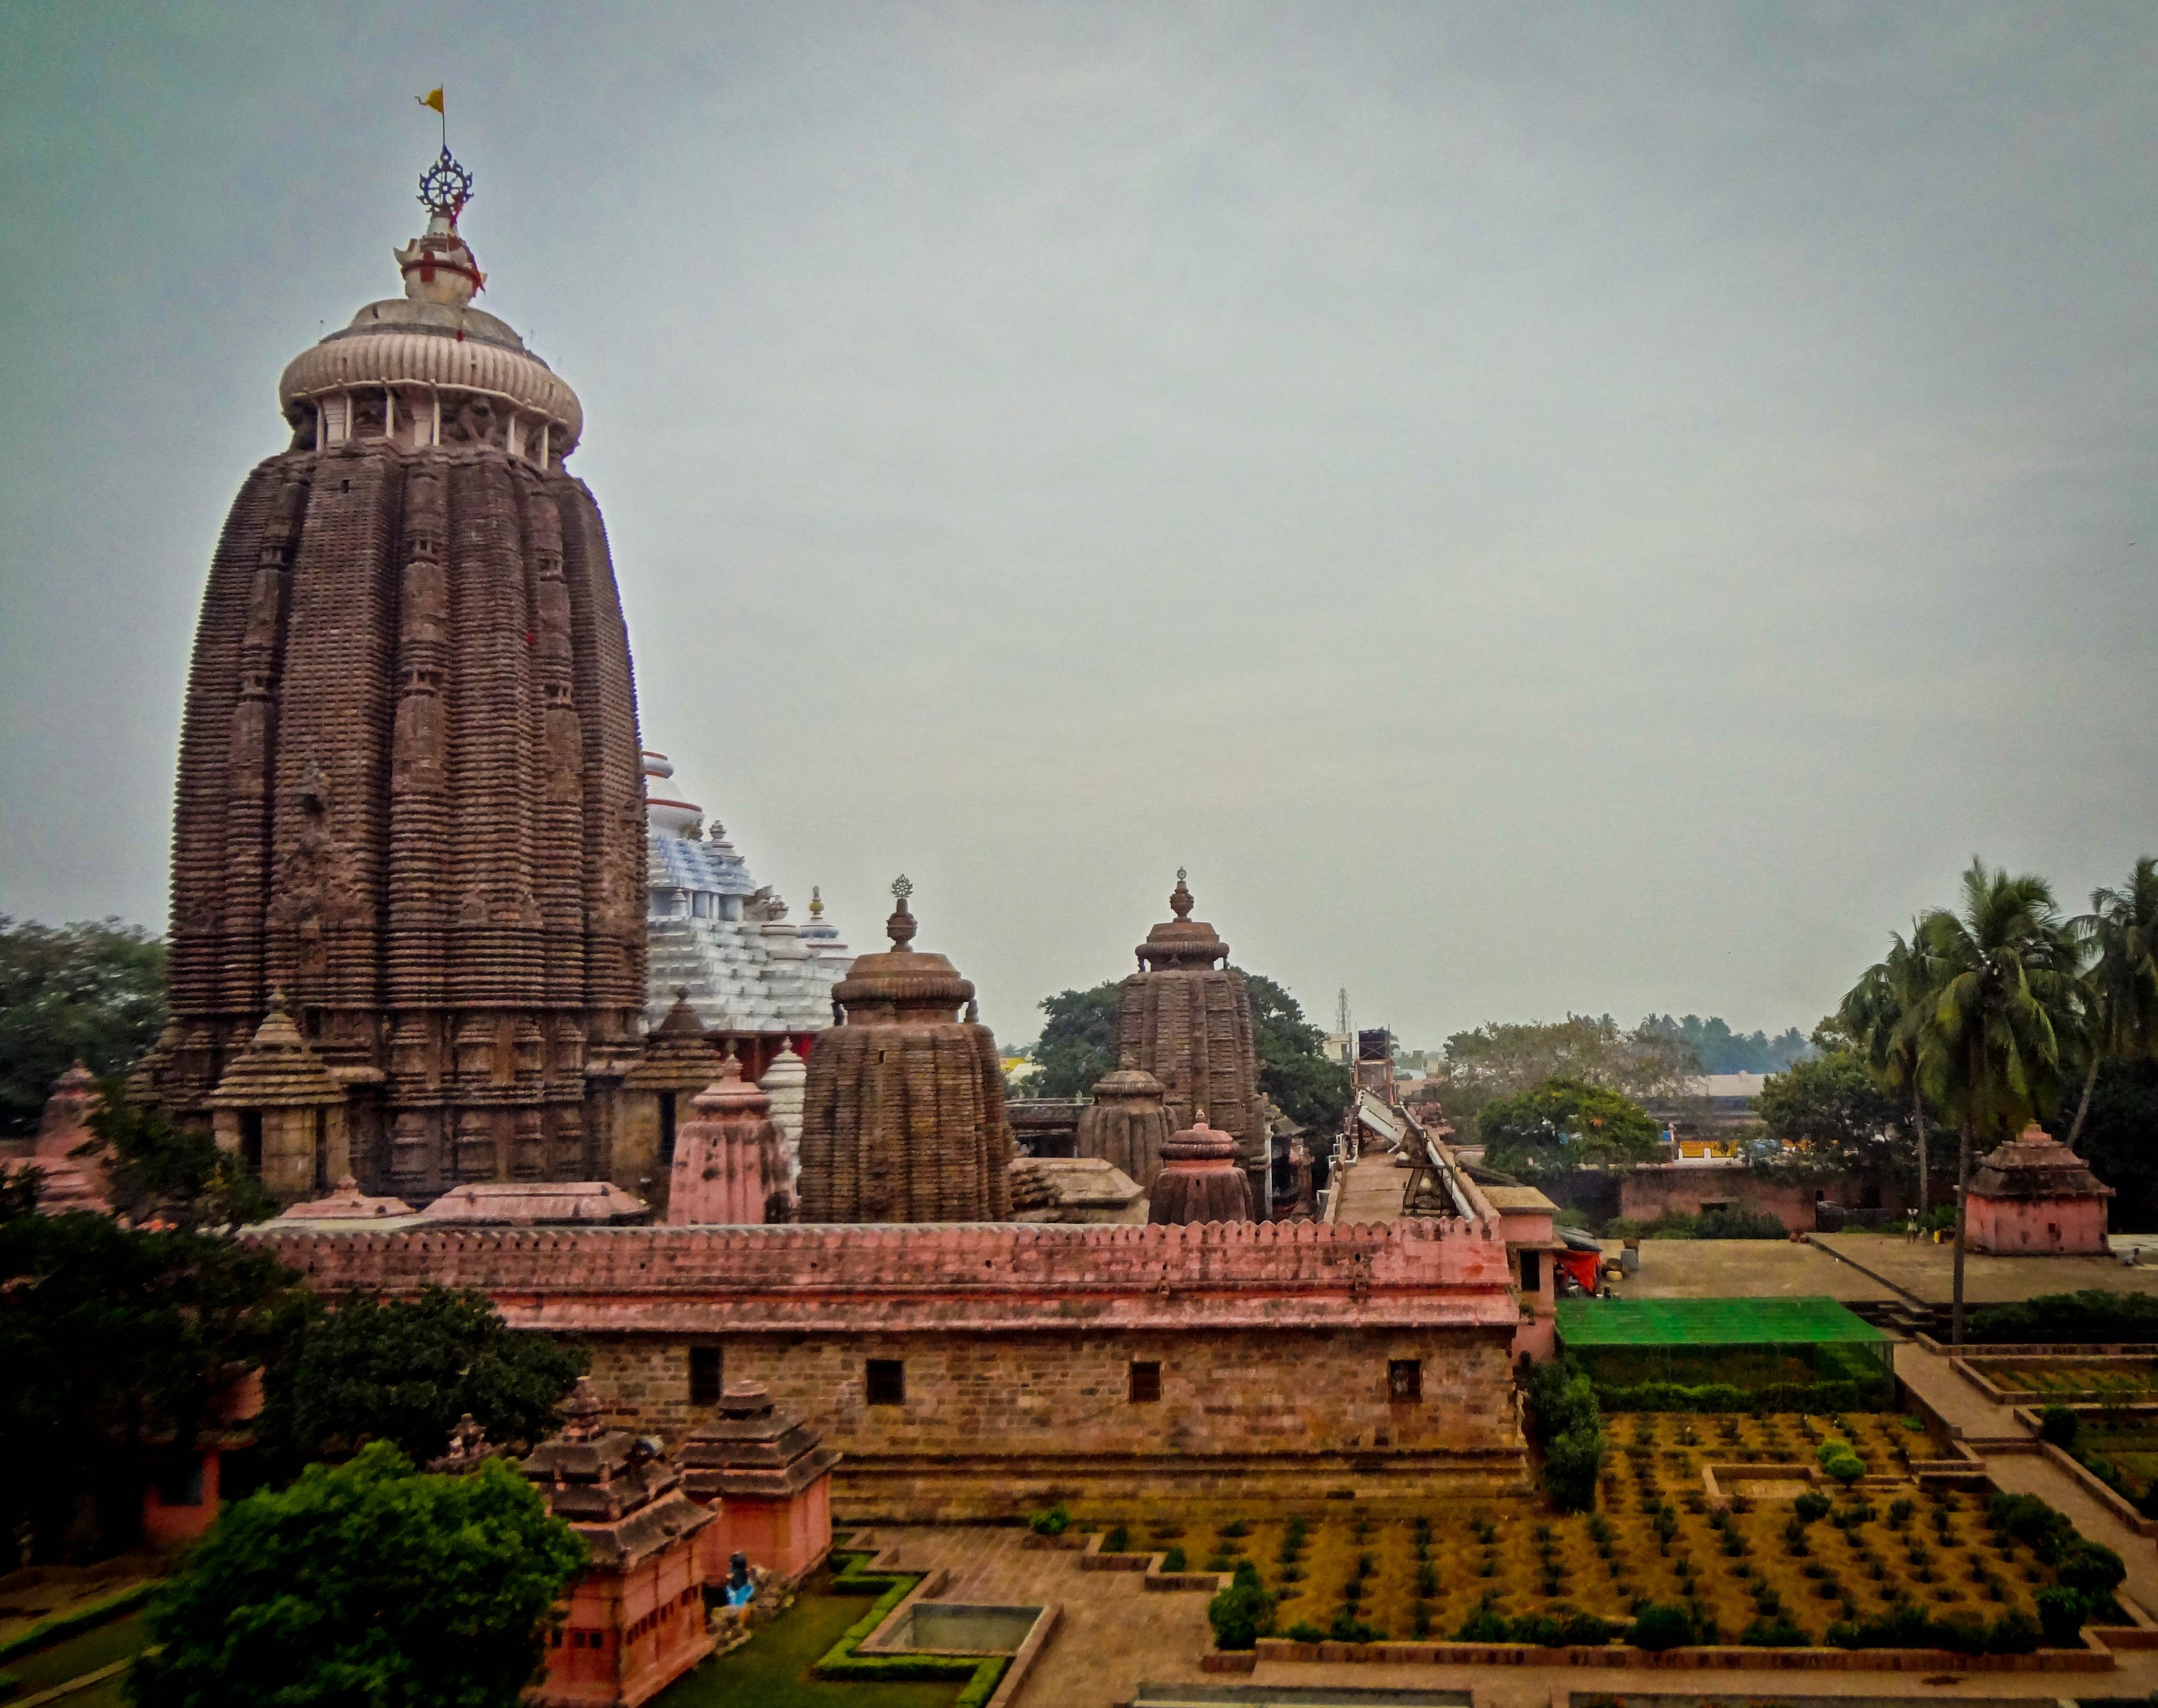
point(784, 1082)
point(68, 1181)
point(2035, 1196)
point(635, 1622)
point(767, 1478)
point(278, 1106)
point(903, 1113)
point(678, 1062)
point(730, 1157)
point(1127, 1124)
point(1186, 1018)
point(1199, 1180)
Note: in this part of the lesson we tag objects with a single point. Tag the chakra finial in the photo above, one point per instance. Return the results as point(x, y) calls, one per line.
point(446, 187)
point(1179, 898)
point(901, 927)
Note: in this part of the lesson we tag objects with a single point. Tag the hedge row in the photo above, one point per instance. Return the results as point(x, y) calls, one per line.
point(982, 1673)
point(1818, 1399)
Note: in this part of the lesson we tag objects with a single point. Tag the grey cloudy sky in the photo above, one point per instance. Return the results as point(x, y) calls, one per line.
point(1537, 507)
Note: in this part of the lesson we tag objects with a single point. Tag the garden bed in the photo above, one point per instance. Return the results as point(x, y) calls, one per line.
point(1756, 1571)
point(2052, 1379)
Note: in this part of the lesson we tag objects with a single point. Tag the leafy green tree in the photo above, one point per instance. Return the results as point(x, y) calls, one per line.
point(1886, 1016)
point(2120, 1116)
point(118, 1343)
point(1078, 1042)
point(1565, 1124)
point(2121, 930)
point(173, 1175)
point(92, 992)
point(1293, 1068)
point(1500, 1060)
point(2009, 1011)
point(1830, 1109)
point(1722, 1050)
point(404, 1371)
point(367, 1584)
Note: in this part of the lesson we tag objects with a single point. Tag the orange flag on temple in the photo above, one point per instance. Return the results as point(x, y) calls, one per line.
point(432, 98)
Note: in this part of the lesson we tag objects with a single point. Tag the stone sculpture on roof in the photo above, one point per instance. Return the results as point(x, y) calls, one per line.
point(409, 788)
point(903, 1113)
point(1186, 1018)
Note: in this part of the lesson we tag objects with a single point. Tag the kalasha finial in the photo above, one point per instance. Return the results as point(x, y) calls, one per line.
point(815, 902)
point(1179, 898)
point(446, 187)
point(900, 927)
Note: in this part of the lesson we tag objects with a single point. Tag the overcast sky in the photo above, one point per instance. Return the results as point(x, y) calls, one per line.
point(1538, 508)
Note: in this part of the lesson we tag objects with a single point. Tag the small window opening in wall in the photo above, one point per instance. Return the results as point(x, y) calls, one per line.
point(705, 1382)
point(887, 1382)
point(1532, 1272)
point(344, 486)
point(1404, 1379)
point(250, 1140)
point(1146, 1380)
point(180, 1481)
point(666, 1129)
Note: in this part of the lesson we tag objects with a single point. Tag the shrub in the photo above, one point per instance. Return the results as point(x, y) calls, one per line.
point(1660, 1626)
point(1172, 1560)
point(1118, 1541)
point(1484, 1625)
point(1241, 1613)
point(1234, 1528)
point(2085, 1318)
point(2014, 1633)
point(2061, 1617)
point(1346, 1630)
point(2090, 1567)
point(1052, 1521)
point(1774, 1634)
point(1811, 1506)
point(1304, 1631)
point(1220, 1562)
point(2056, 1424)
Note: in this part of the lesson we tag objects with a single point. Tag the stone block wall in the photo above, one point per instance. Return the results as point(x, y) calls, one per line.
point(1000, 1425)
point(1293, 1360)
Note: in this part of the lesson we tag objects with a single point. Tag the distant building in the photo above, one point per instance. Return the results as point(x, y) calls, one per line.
point(714, 932)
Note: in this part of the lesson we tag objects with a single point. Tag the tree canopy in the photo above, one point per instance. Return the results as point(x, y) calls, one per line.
point(1562, 1124)
point(365, 1583)
point(90, 991)
point(1503, 1058)
point(1831, 1109)
point(404, 1371)
point(1078, 1042)
point(1719, 1050)
point(118, 1343)
point(173, 1175)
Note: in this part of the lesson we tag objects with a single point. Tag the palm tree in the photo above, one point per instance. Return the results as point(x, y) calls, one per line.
point(2121, 930)
point(2009, 1008)
point(1886, 1013)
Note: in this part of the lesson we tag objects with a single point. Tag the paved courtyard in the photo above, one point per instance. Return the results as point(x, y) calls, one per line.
point(1925, 1271)
point(1744, 1269)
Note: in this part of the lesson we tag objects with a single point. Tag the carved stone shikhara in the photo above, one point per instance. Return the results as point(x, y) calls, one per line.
point(1186, 1018)
point(903, 1113)
point(409, 787)
point(1199, 1180)
point(1127, 1124)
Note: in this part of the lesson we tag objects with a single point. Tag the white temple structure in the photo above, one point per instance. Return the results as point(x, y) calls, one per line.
point(712, 931)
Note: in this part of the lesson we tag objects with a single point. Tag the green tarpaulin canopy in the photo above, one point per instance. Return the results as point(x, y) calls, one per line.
point(1710, 1322)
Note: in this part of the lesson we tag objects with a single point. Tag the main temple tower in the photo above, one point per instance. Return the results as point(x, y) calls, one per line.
point(409, 795)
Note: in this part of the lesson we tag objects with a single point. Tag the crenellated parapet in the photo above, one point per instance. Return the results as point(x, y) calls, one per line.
point(969, 1278)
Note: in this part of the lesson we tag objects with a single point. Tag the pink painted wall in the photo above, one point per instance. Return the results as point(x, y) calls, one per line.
point(168, 1528)
point(787, 1537)
point(2014, 1227)
point(627, 1636)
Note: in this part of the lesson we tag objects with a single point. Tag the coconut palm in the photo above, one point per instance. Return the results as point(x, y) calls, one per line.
point(2121, 934)
point(1886, 1013)
point(2010, 1007)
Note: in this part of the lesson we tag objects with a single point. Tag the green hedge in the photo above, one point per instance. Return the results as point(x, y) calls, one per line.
point(93, 1612)
point(840, 1661)
point(1817, 1398)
